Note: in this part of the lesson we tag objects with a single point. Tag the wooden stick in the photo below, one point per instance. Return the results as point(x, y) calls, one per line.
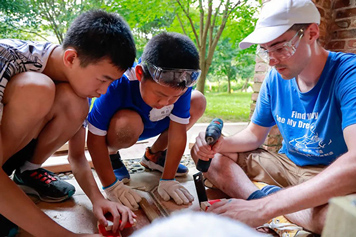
point(148, 210)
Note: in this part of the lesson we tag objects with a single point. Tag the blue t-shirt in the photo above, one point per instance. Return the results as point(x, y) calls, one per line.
point(311, 123)
point(124, 93)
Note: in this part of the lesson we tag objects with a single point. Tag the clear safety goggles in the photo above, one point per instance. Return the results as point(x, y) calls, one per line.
point(282, 51)
point(172, 76)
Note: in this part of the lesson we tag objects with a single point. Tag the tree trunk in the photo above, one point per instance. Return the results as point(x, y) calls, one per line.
point(244, 87)
point(229, 85)
point(206, 39)
point(201, 82)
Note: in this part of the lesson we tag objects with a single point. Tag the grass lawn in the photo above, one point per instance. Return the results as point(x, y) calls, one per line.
point(234, 107)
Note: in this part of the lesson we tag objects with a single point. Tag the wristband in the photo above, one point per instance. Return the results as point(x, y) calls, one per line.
point(167, 179)
point(110, 184)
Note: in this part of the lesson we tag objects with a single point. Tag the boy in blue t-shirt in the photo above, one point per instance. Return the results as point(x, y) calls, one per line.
point(153, 98)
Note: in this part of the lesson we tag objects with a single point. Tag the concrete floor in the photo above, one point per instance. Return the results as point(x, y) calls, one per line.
point(76, 215)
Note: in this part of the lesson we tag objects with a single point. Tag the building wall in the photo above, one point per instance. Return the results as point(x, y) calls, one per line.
point(337, 33)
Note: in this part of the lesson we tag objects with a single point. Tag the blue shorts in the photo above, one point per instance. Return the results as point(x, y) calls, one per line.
point(152, 129)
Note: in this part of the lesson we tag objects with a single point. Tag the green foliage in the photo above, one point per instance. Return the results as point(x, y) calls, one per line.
point(222, 85)
point(234, 107)
point(145, 17)
point(229, 60)
point(18, 20)
point(216, 32)
point(205, 22)
point(34, 19)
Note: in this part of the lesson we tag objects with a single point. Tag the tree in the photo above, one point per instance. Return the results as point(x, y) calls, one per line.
point(18, 20)
point(38, 16)
point(229, 60)
point(224, 62)
point(212, 21)
point(201, 20)
point(237, 31)
point(145, 17)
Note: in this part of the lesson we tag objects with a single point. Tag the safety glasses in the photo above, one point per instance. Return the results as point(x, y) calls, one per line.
point(283, 51)
point(172, 77)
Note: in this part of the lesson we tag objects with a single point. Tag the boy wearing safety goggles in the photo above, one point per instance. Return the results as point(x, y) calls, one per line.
point(153, 98)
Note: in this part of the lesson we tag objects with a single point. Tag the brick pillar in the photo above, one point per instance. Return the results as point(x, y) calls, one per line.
point(342, 26)
point(337, 33)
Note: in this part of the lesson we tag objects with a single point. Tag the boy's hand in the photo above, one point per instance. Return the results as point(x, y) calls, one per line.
point(173, 189)
point(121, 193)
point(117, 211)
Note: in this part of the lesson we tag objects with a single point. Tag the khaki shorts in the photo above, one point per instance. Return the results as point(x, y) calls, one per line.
point(274, 168)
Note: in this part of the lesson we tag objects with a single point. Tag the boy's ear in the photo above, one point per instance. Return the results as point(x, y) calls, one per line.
point(69, 57)
point(139, 72)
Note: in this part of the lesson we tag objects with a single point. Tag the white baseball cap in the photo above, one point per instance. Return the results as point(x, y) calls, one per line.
point(277, 16)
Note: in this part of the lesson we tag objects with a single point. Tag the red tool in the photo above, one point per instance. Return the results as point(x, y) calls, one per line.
point(108, 233)
point(205, 205)
point(107, 230)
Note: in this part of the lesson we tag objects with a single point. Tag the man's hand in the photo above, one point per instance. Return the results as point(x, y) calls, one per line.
point(168, 189)
point(204, 151)
point(248, 212)
point(118, 211)
point(118, 192)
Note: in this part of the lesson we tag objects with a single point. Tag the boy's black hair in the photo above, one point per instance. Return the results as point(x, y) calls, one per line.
point(97, 34)
point(171, 50)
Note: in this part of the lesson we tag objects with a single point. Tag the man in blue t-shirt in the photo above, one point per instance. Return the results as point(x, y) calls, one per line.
point(310, 94)
point(153, 98)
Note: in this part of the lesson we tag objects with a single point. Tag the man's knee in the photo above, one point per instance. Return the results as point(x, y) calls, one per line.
point(318, 218)
point(220, 161)
point(220, 167)
point(125, 128)
point(312, 219)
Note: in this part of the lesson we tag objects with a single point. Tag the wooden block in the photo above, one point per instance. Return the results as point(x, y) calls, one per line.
point(148, 210)
point(341, 217)
point(65, 147)
point(62, 167)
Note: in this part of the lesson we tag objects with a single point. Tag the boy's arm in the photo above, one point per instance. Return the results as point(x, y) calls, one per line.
point(85, 178)
point(114, 189)
point(168, 187)
point(177, 140)
point(80, 166)
point(100, 156)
